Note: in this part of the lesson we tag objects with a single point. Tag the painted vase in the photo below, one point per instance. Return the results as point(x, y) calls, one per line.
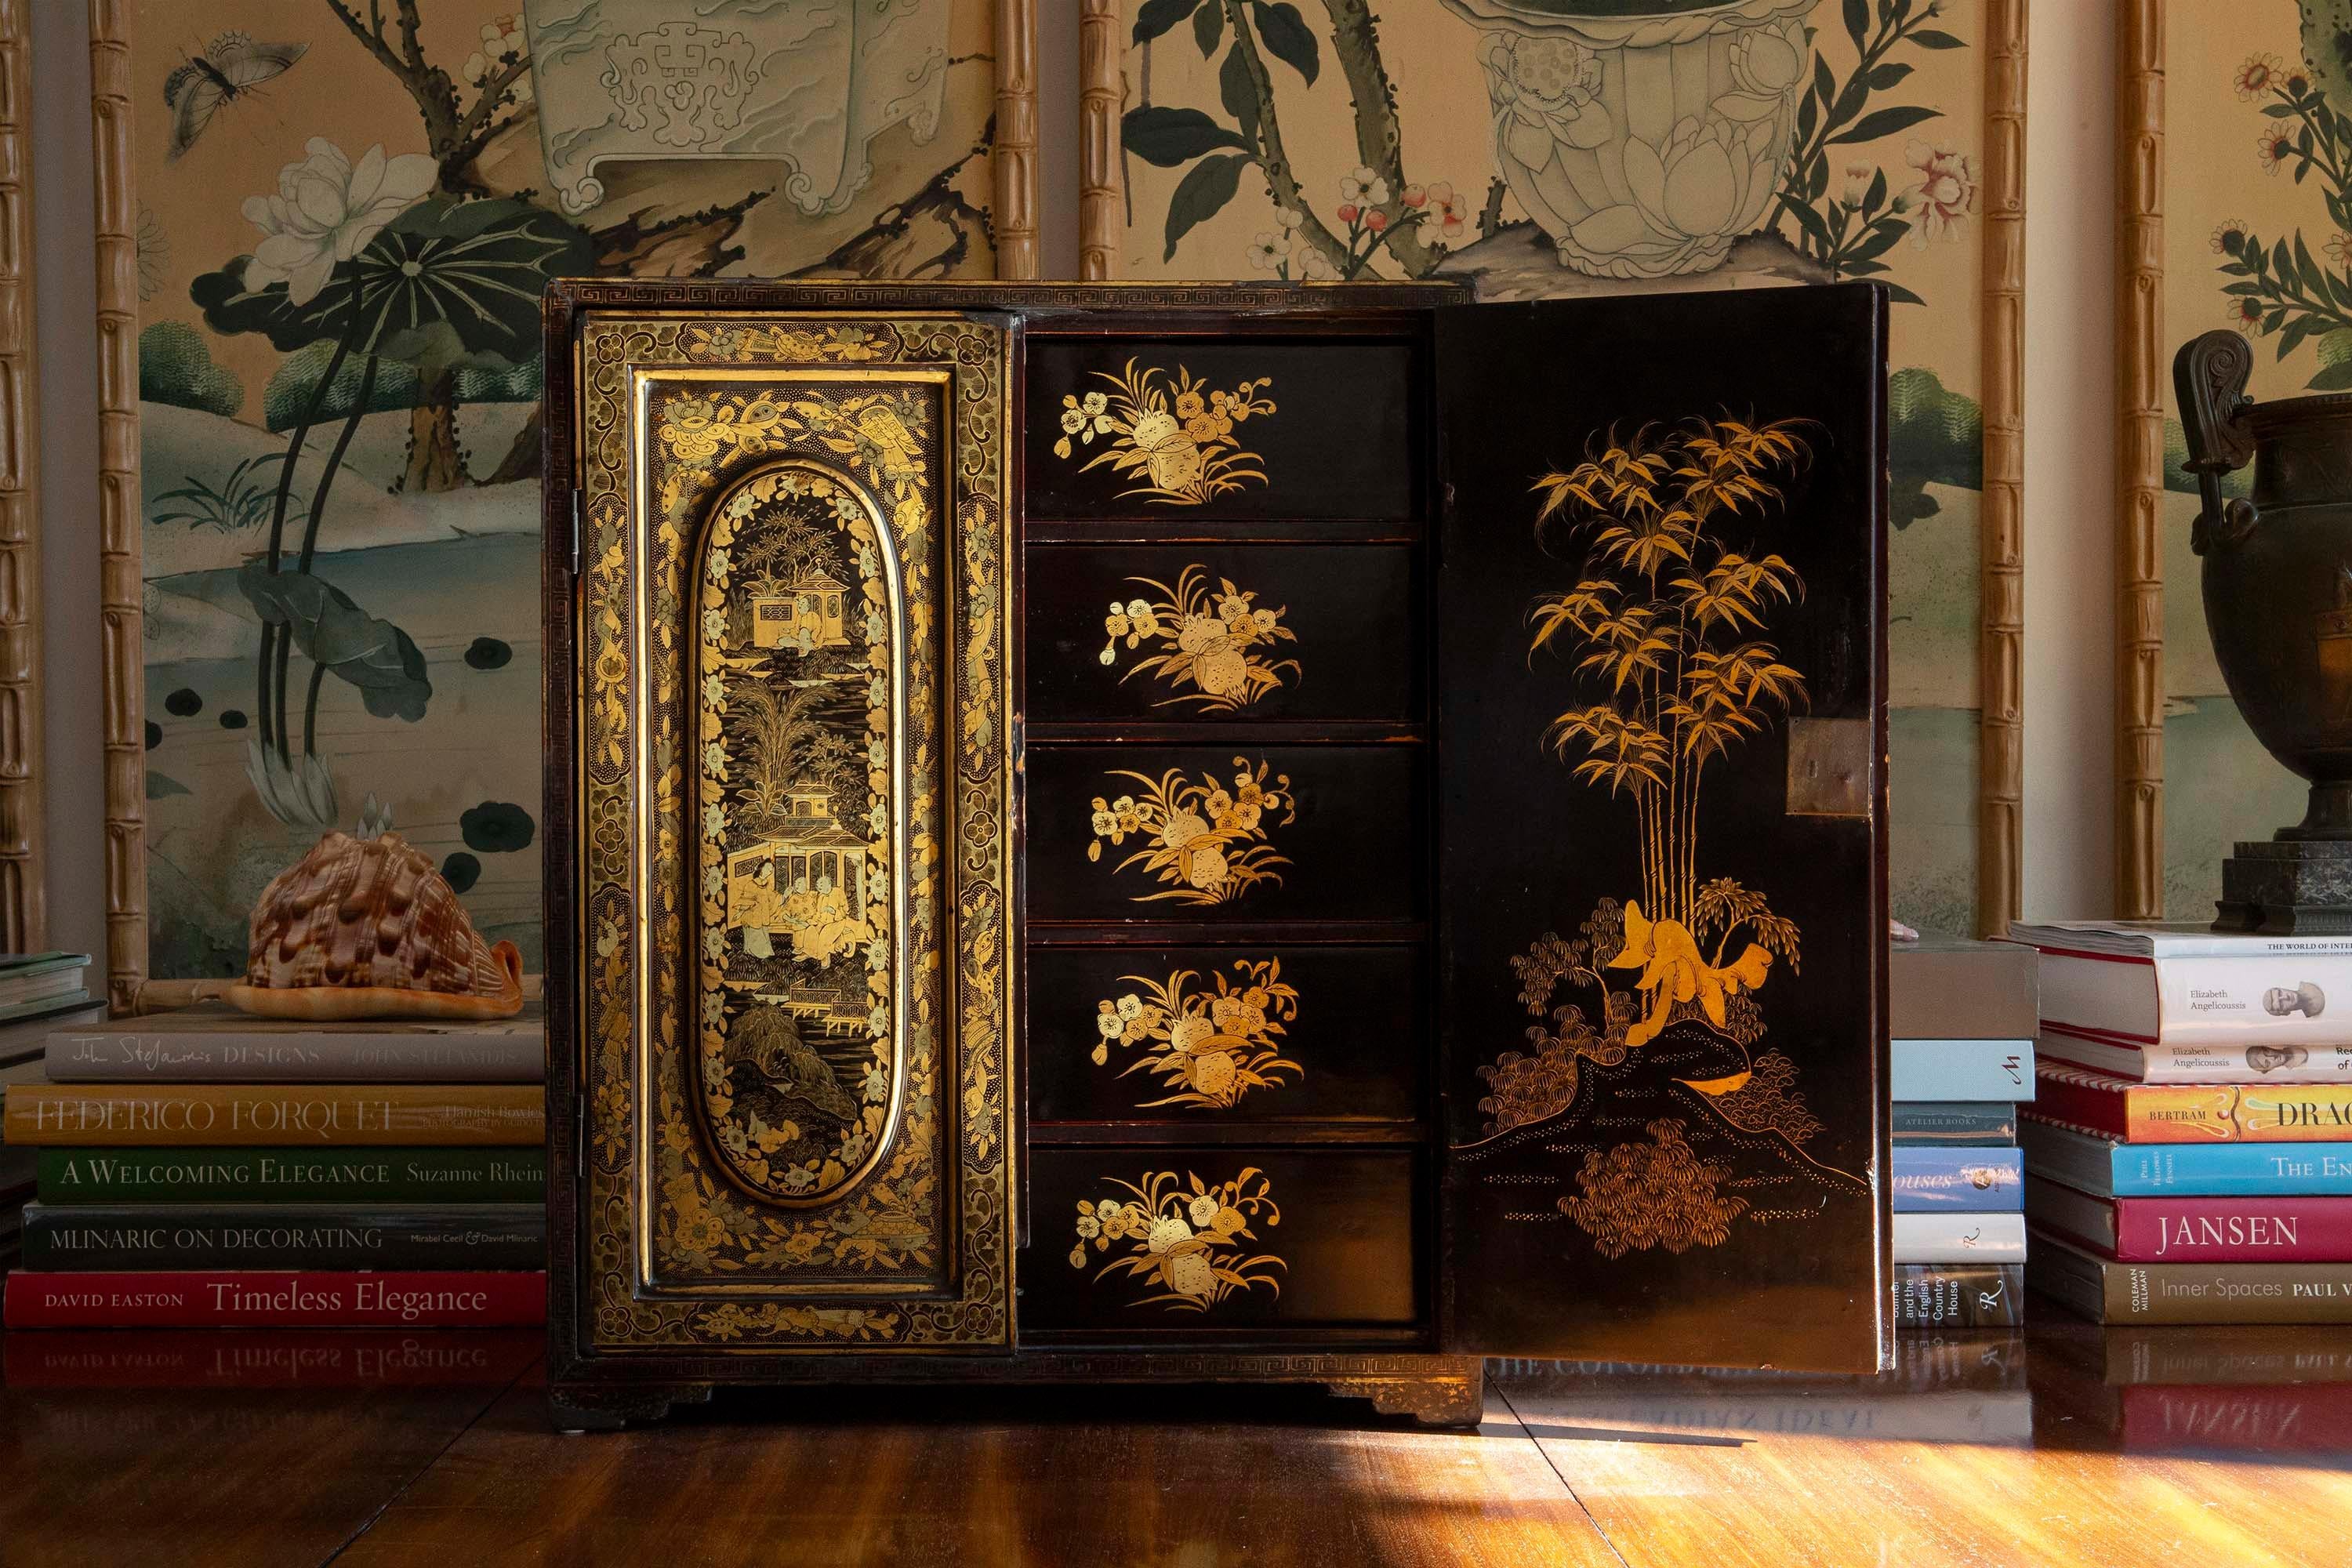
point(2277, 566)
point(1643, 138)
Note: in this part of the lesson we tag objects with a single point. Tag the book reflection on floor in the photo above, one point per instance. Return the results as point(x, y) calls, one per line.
point(266, 1358)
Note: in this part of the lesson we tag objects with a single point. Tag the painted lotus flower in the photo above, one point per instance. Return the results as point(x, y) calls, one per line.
point(1945, 191)
point(1702, 183)
point(1767, 64)
point(326, 210)
point(1543, 92)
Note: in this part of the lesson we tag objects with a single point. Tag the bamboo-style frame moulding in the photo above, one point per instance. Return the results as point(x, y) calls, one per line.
point(2140, 386)
point(24, 915)
point(2001, 636)
point(1014, 227)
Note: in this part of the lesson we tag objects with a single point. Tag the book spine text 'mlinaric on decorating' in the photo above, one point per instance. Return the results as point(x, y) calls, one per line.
point(285, 1235)
point(255, 1298)
point(200, 1113)
point(488, 1173)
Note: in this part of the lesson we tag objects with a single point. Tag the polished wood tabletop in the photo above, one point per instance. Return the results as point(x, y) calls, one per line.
point(2065, 1445)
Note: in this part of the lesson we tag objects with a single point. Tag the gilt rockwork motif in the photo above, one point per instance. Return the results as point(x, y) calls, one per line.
point(1665, 638)
point(1207, 1047)
point(1185, 1241)
point(659, 1074)
point(1202, 842)
point(1215, 641)
point(1171, 433)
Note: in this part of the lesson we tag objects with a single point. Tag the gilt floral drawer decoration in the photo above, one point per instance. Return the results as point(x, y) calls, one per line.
point(1185, 1244)
point(1207, 1044)
point(1211, 648)
point(1204, 840)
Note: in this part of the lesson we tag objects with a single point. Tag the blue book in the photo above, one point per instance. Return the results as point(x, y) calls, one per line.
point(1962, 1070)
point(1959, 1181)
point(2104, 1165)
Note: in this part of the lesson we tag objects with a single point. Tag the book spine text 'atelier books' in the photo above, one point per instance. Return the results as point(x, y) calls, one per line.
point(245, 1299)
point(199, 1114)
point(1959, 1123)
point(117, 1054)
point(2195, 1113)
point(483, 1174)
point(285, 1235)
point(1959, 1296)
point(2113, 1292)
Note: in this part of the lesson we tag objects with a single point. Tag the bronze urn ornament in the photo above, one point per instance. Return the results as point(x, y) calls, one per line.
point(2278, 604)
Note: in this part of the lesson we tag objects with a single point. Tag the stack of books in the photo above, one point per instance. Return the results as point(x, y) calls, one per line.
point(2189, 1158)
point(1962, 1015)
point(207, 1170)
point(25, 1025)
point(42, 984)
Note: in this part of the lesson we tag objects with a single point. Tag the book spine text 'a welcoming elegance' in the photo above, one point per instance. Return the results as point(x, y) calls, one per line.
point(202, 1113)
point(125, 1237)
point(74, 1176)
point(253, 1300)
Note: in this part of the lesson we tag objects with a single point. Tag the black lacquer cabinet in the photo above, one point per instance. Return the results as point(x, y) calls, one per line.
point(1120, 833)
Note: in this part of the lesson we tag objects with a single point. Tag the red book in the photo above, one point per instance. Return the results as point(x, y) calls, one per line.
point(264, 1358)
point(2197, 1229)
point(2296, 1418)
point(257, 1298)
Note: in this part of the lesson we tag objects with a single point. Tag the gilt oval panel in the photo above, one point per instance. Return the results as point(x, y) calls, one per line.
point(801, 765)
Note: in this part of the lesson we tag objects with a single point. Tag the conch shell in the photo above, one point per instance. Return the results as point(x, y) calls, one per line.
point(366, 928)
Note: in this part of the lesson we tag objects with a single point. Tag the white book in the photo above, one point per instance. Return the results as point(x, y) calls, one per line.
point(2149, 985)
point(1948, 1238)
point(2241, 1062)
point(214, 1044)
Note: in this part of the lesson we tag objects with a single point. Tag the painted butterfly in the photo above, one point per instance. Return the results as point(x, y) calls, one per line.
point(231, 66)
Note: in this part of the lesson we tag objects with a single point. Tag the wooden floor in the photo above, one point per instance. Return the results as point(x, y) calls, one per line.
point(2065, 1446)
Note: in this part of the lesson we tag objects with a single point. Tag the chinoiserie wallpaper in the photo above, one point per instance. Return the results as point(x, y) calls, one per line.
point(1549, 148)
point(347, 210)
point(2257, 198)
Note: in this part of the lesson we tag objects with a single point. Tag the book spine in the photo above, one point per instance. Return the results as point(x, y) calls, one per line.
point(290, 1358)
point(1953, 1123)
point(2190, 1114)
point(1996, 1070)
point(2221, 1230)
point(125, 1056)
point(282, 1235)
point(1949, 1237)
point(197, 1114)
point(2205, 1062)
point(1968, 1181)
point(2191, 1293)
point(2277, 999)
point(71, 1177)
point(1933, 1296)
point(2232, 1170)
point(245, 1299)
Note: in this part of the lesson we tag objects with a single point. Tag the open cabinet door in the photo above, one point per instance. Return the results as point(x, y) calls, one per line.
point(1662, 743)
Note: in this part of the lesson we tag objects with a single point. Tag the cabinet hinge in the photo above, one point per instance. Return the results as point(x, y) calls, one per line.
point(575, 533)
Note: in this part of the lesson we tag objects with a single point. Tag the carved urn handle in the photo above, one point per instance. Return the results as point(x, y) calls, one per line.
point(2209, 381)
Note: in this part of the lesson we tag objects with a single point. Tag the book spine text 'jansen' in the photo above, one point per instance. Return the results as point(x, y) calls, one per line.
point(196, 1113)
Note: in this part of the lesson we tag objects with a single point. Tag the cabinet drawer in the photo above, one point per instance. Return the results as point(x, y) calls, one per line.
point(1224, 1034)
point(1270, 1238)
point(1217, 633)
point(1222, 833)
point(1193, 429)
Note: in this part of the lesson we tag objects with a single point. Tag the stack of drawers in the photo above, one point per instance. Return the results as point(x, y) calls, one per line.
point(1226, 1050)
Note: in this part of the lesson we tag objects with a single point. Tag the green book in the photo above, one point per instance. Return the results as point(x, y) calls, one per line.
point(76, 1176)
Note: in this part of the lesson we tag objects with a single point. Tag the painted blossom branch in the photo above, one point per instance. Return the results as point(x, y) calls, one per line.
point(1272, 159)
point(1379, 140)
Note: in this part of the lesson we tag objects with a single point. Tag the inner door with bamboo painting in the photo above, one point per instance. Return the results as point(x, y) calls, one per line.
point(1663, 889)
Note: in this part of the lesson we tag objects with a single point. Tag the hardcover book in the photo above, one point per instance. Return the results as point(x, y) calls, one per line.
point(2230, 1059)
point(2000, 1071)
point(229, 1359)
point(2191, 1113)
point(192, 1114)
point(211, 1043)
point(259, 1299)
point(1978, 1180)
point(70, 1176)
point(2107, 1291)
point(2201, 1005)
point(1946, 988)
point(2104, 1165)
point(124, 1238)
point(1960, 1296)
point(1955, 1237)
point(1935, 1123)
point(2196, 1229)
